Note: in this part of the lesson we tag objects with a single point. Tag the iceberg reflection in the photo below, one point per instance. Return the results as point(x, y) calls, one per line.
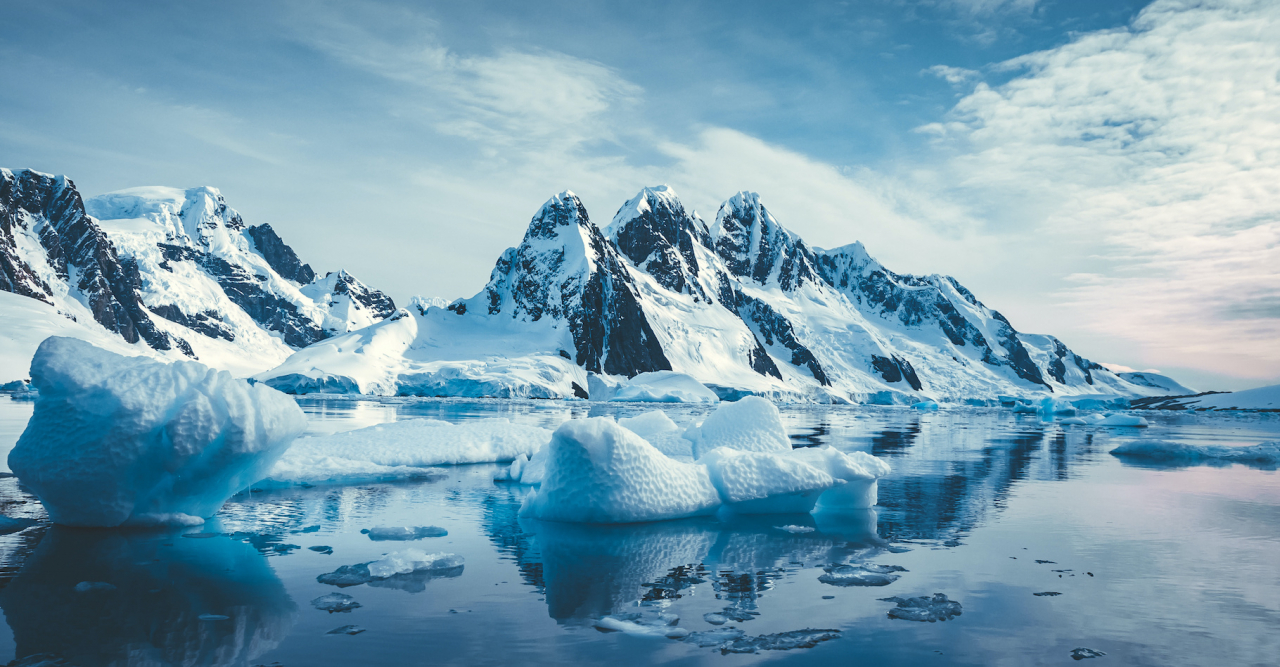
point(151, 599)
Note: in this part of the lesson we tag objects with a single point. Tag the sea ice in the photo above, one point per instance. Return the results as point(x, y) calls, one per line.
point(925, 405)
point(765, 483)
point(403, 450)
point(1266, 453)
point(924, 608)
point(752, 424)
point(865, 574)
point(796, 530)
point(395, 564)
point(1075, 421)
point(600, 472)
point(638, 624)
point(664, 387)
point(781, 641)
point(346, 630)
point(1083, 653)
point(404, 533)
point(716, 637)
point(117, 439)
point(1122, 420)
point(859, 471)
point(335, 603)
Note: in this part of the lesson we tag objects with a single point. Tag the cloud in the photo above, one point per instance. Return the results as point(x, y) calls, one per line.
point(952, 75)
point(1162, 141)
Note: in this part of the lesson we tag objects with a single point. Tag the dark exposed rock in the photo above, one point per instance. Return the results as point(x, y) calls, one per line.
point(279, 256)
point(208, 323)
point(379, 304)
point(771, 327)
point(755, 246)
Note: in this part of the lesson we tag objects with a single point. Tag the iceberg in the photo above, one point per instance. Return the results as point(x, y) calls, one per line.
point(403, 450)
point(117, 439)
point(1122, 420)
point(660, 431)
point(600, 472)
point(765, 483)
point(1263, 454)
point(664, 387)
point(752, 424)
point(859, 471)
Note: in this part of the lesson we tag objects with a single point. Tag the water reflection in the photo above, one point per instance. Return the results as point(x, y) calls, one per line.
point(162, 599)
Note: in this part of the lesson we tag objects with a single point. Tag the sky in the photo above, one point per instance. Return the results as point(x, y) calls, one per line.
point(1106, 172)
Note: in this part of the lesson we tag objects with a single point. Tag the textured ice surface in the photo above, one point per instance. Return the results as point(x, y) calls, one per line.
point(781, 641)
point(765, 483)
point(865, 574)
point(924, 608)
point(403, 449)
point(858, 470)
point(393, 566)
point(1122, 420)
point(404, 533)
point(752, 424)
point(664, 387)
point(1266, 453)
point(661, 432)
point(335, 603)
point(117, 439)
point(600, 472)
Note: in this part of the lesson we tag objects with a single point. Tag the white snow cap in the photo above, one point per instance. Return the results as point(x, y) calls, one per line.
point(118, 439)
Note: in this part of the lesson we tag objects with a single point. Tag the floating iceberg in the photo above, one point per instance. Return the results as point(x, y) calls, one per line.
point(859, 471)
point(117, 439)
point(599, 472)
point(664, 387)
point(1267, 453)
point(865, 574)
point(1122, 420)
point(752, 424)
point(660, 431)
point(765, 483)
point(395, 565)
point(403, 450)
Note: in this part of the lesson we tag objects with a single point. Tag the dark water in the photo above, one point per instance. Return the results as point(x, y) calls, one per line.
point(1152, 566)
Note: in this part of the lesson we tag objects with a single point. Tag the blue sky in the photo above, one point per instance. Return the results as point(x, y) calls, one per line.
point(1108, 172)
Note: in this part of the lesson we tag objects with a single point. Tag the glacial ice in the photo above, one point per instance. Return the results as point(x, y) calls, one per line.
point(600, 472)
point(664, 387)
point(660, 431)
point(765, 483)
point(859, 471)
point(1122, 420)
point(404, 533)
point(925, 405)
point(864, 574)
point(752, 424)
point(117, 439)
point(1264, 454)
point(924, 608)
point(335, 603)
point(394, 565)
point(403, 450)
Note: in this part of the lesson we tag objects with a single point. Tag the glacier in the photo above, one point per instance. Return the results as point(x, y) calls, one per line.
point(128, 440)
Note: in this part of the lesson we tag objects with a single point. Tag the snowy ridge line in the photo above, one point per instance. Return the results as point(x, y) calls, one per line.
point(173, 273)
point(742, 307)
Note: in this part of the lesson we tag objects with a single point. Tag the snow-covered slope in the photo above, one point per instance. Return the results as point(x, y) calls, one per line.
point(175, 269)
point(1262, 399)
point(743, 306)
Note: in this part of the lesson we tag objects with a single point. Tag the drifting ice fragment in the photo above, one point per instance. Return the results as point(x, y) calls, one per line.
point(1264, 454)
point(866, 574)
point(752, 424)
point(795, 530)
point(925, 405)
point(1123, 420)
point(335, 603)
point(782, 641)
point(599, 472)
point(404, 533)
point(709, 638)
point(117, 439)
point(346, 630)
point(665, 387)
point(924, 608)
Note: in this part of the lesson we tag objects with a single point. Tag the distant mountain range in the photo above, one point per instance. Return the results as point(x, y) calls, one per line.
point(743, 305)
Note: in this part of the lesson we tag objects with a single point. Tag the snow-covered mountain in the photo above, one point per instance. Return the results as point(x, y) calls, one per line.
point(161, 271)
point(743, 305)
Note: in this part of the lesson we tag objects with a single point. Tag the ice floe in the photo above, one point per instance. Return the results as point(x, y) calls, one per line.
point(403, 533)
point(664, 387)
point(1122, 420)
point(396, 570)
point(1158, 451)
point(403, 450)
point(117, 439)
point(864, 574)
point(335, 603)
point(924, 608)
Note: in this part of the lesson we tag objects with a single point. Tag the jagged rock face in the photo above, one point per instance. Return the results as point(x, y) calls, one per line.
point(658, 236)
point(565, 269)
point(771, 327)
point(281, 257)
point(755, 247)
point(377, 303)
point(50, 207)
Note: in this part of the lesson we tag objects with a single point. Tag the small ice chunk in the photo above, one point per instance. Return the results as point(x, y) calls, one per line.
point(599, 472)
point(1077, 421)
point(346, 630)
point(94, 587)
point(752, 424)
point(1025, 408)
point(865, 574)
point(924, 608)
point(765, 483)
point(335, 603)
point(404, 533)
point(117, 439)
point(925, 405)
point(632, 626)
point(664, 387)
point(1266, 453)
point(781, 641)
point(412, 560)
point(714, 618)
point(795, 530)
point(1085, 653)
point(1123, 420)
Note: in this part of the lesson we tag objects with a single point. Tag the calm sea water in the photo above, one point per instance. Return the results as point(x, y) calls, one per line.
point(1151, 566)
